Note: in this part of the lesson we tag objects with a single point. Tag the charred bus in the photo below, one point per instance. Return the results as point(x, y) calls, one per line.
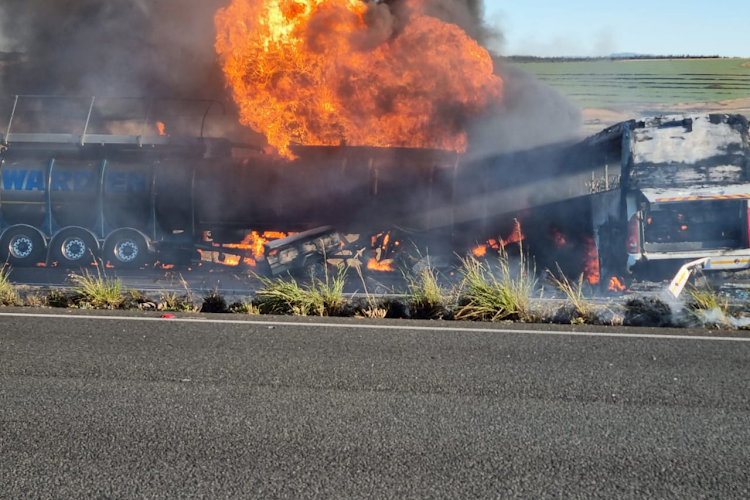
point(680, 192)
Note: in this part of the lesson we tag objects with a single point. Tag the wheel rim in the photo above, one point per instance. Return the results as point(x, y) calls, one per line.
point(74, 248)
point(21, 246)
point(126, 250)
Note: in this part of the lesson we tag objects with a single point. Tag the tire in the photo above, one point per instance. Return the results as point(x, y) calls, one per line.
point(22, 246)
point(73, 247)
point(126, 249)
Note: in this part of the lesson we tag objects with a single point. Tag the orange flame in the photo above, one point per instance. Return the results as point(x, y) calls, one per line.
point(480, 251)
point(162, 129)
point(615, 285)
point(328, 72)
point(558, 238)
point(383, 265)
point(591, 262)
point(516, 236)
point(255, 241)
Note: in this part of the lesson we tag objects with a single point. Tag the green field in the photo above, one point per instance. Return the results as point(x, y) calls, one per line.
point(627, 83)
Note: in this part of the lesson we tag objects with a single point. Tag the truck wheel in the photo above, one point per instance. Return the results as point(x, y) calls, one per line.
point(126, 249)
point(73, 247)
point(22, 246)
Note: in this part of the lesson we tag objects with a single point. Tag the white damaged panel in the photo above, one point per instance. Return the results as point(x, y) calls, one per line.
point(684, 139)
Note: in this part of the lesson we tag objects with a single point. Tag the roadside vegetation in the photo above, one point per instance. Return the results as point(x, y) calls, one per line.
point(319, 297)
point(427, 298)
point(578, 309)
point(97, 291)
point(492, 288)
point(498, 293)
point(8, 293)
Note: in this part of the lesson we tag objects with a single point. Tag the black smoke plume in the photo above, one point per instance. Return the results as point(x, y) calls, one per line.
point(165, 48)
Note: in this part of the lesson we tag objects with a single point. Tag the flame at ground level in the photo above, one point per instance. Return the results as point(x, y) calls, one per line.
point(615, 285)
point(383, 265)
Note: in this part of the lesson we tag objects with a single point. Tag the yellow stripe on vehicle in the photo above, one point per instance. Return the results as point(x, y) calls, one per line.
point(729, 262)
point(696, 198)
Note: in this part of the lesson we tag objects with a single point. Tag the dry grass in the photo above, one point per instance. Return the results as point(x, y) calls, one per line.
point(244, 308)
point(8, 292)
point(179, 302)
point(706, 300)
point(35, 300)
point(286, 296)
point(706, 307)
point(427, 299)
point(375, 308)
point(503, 293)
point(98, 291)
point(583, 310)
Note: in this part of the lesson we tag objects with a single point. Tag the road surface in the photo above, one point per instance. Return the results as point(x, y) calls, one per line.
point(106, 406)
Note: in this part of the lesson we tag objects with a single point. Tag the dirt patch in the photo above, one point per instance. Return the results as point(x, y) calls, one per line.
point(746, 65)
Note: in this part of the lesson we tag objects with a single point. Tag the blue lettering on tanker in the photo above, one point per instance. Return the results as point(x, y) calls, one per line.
point(77, 181)
point(61, 181)
point(35, 181)
point(13, 179)
point(125, 182)
point(115, 182)
point(82, 181)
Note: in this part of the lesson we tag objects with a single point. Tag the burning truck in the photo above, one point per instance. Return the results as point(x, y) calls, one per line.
point(667, 189)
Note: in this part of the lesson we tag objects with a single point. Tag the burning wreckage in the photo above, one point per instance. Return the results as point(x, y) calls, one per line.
point(658, 190)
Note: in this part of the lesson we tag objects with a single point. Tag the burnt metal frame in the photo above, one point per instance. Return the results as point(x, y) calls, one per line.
point(81, 139)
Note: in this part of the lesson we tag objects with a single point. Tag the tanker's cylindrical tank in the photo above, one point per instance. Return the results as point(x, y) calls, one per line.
point(23, 190)
point(239, 195)
point(340, 186)
point(74, 192)
point(173, 201)
point(127, 188)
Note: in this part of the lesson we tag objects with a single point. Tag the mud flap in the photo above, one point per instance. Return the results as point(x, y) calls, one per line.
point(683, 275)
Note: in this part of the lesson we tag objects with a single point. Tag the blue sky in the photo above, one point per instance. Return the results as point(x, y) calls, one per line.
point(601, 27)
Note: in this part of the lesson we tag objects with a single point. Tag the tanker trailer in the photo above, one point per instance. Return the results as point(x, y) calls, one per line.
point(72, 204)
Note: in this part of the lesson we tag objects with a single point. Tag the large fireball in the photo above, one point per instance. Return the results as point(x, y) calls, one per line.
point(331, 72)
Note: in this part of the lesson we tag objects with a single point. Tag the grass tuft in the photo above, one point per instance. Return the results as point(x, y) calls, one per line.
point(706, 307)
point(286, 296)
point(178, 302)
point(427, 299)
point(98, 291)
point(706, 299)
point(58, 298)
point(244, 308)
point(8, 293)
point(502, 294)
point(582, 309)
point(35, 300)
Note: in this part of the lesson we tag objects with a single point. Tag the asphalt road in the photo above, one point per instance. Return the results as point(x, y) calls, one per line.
point(345, 408)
